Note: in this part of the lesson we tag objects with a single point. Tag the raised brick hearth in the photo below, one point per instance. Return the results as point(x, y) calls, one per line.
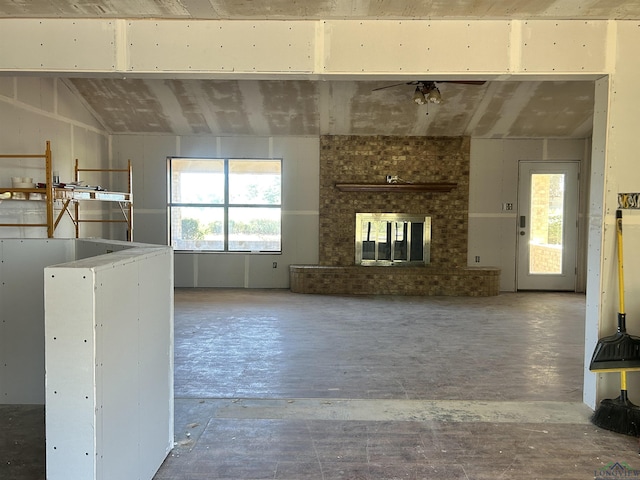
point(356, 280)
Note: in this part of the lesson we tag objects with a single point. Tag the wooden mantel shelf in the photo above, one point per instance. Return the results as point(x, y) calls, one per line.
point(396, 187)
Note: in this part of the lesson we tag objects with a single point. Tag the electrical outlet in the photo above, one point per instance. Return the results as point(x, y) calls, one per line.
point(477, 258)
point(275, 264)
point(507, 206)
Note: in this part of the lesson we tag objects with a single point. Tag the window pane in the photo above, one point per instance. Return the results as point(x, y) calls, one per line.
point(254, 182)
point(547, 207)
point(197, 181)
point(197, 228)
point(254, 229)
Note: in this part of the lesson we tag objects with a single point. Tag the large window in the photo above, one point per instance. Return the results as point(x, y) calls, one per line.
point(225, 204)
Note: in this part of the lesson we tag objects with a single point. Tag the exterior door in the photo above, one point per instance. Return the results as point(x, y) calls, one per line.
point(547, 230)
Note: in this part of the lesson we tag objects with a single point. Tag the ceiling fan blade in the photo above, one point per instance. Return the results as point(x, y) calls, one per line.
point(427, 82)
point(394, 85)
point(463, 82)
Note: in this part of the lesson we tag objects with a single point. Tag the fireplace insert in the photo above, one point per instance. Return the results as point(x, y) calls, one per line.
point(392, 239)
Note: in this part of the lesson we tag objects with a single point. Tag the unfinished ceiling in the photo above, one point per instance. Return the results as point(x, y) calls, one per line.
point(497, 109)
point(291, 107)
point(322, 9)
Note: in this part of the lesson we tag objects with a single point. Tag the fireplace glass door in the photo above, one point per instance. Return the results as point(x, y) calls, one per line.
point(392, 239)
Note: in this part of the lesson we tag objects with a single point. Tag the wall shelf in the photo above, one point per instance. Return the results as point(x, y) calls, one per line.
point(396, 187)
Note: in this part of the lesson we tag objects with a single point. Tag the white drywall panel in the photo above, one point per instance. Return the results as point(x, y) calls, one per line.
point(224, 46)
point(19, 212)
point(416, 46)
point(26, 130)
point(7, 87)
point(185, 268)
point(88, 247)
point(58, 44)
point(301, 172)
point(71, 403)
point(109, 365)
point(564, 149)
point(494, 242)
point(91, 148)
point(117, 337)
point(155, 362)
point(220, 270)
point(563, 45)
point(148, 155)
point(300, 236)
point(198, 146)
point(262, 274)
point(150, 226)
point(22, 363)
point(631, 238)
point(486, 171)
point(615, 147)
point(242, 147)
point(37, 92)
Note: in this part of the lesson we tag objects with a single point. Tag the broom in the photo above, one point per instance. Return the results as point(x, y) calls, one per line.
point(618, 352)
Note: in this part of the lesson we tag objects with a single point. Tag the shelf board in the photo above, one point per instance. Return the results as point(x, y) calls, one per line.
point(396, 187)
point(22, 190)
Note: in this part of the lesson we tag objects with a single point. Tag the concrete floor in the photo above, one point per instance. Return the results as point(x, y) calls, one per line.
point(271, 384)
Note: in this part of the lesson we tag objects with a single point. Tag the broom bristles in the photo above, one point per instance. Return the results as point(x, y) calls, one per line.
point(618, 415)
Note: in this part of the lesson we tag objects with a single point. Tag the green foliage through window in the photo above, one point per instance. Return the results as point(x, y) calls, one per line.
point(225, 205)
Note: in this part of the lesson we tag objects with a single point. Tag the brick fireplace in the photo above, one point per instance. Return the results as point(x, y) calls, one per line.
point(430, 177)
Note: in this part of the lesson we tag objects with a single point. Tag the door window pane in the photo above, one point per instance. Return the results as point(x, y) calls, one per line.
point(547, 206)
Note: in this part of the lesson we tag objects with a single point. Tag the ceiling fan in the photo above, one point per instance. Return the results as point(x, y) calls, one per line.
point(427, 91)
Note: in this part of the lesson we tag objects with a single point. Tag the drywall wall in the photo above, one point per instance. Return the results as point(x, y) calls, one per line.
point(32, 111)
point(109, 364)
point(300, 164)
point(22, 366)
point(22, 309)
point(494, 182)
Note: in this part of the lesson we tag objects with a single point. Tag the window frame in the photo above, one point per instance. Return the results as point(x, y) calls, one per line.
point(225, 205)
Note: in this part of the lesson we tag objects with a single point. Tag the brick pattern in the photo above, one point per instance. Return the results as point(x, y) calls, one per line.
point(358, 280)
point(358, 159)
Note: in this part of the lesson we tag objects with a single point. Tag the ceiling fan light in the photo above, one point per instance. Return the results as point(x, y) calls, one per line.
point(418, 97)
point(434, 95)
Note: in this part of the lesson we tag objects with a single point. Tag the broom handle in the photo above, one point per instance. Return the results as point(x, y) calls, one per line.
point(622, 327)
